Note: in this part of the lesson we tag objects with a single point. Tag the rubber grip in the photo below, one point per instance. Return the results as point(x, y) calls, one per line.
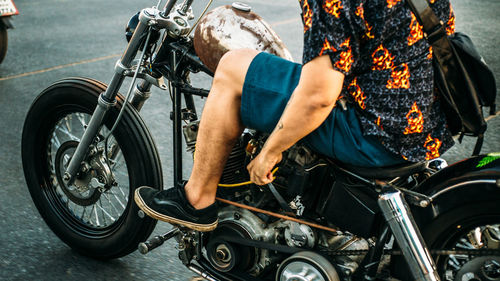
point(146, 247)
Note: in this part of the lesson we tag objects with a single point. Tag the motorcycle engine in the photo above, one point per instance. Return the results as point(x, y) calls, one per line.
point(299, 179)
point(235, 223)
point(225, 254)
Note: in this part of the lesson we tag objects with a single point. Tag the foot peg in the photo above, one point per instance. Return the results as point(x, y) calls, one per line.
point(153, 243)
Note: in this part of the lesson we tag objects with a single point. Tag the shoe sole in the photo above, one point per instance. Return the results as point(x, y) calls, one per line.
point(152, 213)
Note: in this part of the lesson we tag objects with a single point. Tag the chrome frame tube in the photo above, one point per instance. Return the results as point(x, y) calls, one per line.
point(177, 128)
point(201, 272)
point(108, 98)
point(407, 235)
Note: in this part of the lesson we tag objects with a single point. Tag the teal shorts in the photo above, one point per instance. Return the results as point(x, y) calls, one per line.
point(269, 83)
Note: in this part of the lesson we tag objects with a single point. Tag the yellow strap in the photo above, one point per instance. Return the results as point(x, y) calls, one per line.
point(244, 183)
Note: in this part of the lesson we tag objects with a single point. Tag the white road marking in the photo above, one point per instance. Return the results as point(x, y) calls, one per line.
point(283, 22)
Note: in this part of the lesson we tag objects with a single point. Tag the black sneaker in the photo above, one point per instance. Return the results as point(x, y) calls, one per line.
point(172, 206)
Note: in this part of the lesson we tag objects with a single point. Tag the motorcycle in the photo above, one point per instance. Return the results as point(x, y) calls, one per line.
point(7, 10)
point(85, 149)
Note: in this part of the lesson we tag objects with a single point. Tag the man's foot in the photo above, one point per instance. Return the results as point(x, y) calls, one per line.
point(172, 206)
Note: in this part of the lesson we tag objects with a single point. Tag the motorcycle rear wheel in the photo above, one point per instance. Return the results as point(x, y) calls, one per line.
point(96, 220)
point(452, 231)
point(3, 42)
point(456, 230)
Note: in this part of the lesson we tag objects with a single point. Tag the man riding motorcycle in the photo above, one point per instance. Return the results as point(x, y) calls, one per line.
point(372, 54)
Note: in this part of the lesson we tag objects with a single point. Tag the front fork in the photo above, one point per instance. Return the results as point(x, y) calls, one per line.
point(108, 98)
point(407, 235)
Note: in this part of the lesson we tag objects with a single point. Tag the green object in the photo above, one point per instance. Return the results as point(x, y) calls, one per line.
point(488, 159)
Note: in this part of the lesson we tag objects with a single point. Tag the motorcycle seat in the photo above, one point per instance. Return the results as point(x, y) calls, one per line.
point(400, 170)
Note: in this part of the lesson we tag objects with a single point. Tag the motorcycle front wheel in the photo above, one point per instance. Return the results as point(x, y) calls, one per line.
point(3, 42)
point(96, 215)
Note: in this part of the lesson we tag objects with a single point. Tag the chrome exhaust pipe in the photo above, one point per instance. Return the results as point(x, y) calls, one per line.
point(407, 235)
point(201, 272)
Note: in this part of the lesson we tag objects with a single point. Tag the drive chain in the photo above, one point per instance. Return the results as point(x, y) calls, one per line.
point(292, 250)
point(442, 252)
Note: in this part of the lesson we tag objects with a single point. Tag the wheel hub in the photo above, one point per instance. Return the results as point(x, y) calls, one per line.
point(89, 182)
point(470, 266)
point(491, 269)
point(480, 268)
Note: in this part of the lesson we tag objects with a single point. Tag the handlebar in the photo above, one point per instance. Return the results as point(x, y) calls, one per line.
point(171, 3)
point(185, 5)
point(168, 8)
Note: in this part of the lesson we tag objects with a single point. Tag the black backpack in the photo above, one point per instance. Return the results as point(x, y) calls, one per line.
point(463, 81)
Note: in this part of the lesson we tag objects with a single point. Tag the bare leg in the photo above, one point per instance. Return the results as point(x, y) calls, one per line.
point(220, 126)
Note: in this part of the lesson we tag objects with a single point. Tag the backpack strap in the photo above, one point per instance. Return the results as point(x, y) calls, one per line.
point(435, 34)
point(434, 29)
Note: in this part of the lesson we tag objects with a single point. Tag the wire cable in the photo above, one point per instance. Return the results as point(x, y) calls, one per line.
point(125, 102)
point(245, 182)
point(202, 14)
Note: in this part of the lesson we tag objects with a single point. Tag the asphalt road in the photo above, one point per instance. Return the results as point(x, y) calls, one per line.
point(61, 38)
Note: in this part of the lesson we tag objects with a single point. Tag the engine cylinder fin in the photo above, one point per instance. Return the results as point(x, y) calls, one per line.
point(235, 170)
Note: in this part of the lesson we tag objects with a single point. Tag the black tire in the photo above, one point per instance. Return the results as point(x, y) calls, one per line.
point(445, 231)
point(78, 97)
point(3, 42)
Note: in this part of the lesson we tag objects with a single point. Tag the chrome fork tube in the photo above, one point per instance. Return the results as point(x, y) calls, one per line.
point(408, 236)
point(108, 98)
point(141, 94)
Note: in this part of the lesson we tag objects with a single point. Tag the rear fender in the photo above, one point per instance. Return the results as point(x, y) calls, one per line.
point(472, 181)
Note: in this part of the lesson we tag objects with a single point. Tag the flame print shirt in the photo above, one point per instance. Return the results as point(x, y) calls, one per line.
point(380, 48)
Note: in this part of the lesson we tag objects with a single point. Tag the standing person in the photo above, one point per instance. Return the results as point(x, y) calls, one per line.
point(371, 53)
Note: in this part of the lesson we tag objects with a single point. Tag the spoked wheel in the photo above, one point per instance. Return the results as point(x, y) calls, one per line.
point(99, 196)
point(96, 214)
point(468, 267)
point(476, 232)
point(470, 227)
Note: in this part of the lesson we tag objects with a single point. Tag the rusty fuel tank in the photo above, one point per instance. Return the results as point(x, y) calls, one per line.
point(234, 27)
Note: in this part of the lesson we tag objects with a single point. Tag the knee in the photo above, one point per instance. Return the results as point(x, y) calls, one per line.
point(237, 57)
point(232, 68)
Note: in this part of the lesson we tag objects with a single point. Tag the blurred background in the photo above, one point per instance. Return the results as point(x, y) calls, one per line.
point(54, 39)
